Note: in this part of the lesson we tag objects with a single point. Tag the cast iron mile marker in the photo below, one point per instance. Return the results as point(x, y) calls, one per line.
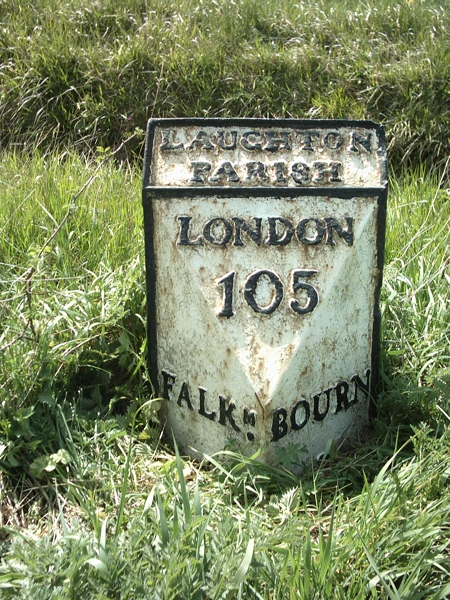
point(264, 254)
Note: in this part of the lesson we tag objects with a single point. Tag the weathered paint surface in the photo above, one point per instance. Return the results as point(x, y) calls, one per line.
point(267, 157)
point(262, 302)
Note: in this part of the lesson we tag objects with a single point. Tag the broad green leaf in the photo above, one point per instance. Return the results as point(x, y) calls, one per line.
point(244, 566)
point(49, 462)
point(184, 494)
point(100, 566)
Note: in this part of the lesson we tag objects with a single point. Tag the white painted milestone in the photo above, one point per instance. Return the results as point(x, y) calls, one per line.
point(264, 247)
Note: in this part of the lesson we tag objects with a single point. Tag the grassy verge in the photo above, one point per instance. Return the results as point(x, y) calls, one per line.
point(85, 74)
point(93, 502)
point(95, 505)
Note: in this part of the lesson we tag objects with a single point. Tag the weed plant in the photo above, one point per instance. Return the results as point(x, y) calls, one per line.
point(89, 74)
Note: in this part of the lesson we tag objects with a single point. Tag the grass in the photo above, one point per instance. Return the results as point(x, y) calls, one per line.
point(416, 280)
point(88, 486)
point(84, 74)
point(95, 502)
point(238, 531)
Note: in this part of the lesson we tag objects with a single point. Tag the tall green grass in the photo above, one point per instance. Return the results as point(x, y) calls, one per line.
point(239, 531)
point(72, 296)
point(84, 74)
point(416, 308)
point(95, 505)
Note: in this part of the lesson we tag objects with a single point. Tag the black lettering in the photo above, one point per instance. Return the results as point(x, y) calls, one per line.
point(273, 239)
point(277, 140)
point(301, 404)
point(256, 170)
point(247, 144)
point(221, 140)
point(212, 415)
point(279, 424)
point(346, 235)
point(213, 224)
point(280, 172)
point(250, 291)
point(327, 172)
point(308, 137)
point(320, 416)
point(333, 140)
point(226, 170)
point(342, 397)
point(319, 232)
point(300, 173)
point(200, 171)
point(360, 385)
point(357, 138)
point(183, 238)
point(228, 283)
point(167, 143)
point(226, 413)
point(168, 381)
point(203, 140)
point(241, 225)
point(249, 417)
point(311, 292)
point(184, 395)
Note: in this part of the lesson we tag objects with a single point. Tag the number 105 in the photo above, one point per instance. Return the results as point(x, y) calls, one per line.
point(278, 289)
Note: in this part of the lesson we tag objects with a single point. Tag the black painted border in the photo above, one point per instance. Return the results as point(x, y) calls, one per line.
point(376, 335)
point(260, 192)
point(151, 193)
point(150, 279)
